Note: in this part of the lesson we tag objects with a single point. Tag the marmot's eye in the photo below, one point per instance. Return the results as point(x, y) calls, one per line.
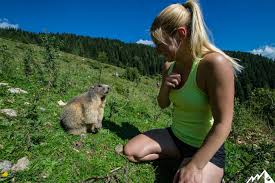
point(99, 85)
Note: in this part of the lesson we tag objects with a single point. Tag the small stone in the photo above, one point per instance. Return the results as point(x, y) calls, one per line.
point(119, 149)
point(21, 164)
point(82, 136)
point(4, 84)
point(17, 91)
point(116, 74)
point(42, 109)
point(61, 103)
point(45, 175)
point(9, 112)
point(5, 165)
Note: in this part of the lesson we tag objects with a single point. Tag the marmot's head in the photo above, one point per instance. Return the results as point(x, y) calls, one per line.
point(99, 90)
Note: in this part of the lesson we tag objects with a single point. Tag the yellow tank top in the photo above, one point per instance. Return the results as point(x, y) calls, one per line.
point(192, 116)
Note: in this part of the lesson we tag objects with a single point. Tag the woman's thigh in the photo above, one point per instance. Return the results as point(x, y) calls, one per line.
point(211, 173)
point(157, 141)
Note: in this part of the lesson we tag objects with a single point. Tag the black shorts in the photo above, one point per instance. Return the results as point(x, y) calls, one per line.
point(188, 151)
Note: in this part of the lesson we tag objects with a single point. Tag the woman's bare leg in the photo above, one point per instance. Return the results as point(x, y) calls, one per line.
point(151, 145)
point(211, 173)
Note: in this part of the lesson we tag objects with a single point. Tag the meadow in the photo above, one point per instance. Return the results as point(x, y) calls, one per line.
point(131, 108)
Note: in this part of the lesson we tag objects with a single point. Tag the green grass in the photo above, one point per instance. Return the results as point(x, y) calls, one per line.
point(130, 109)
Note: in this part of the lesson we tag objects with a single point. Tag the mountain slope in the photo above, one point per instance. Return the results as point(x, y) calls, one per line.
point(131, 108)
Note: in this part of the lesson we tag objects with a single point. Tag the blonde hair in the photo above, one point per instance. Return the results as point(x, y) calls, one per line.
point(187, 14)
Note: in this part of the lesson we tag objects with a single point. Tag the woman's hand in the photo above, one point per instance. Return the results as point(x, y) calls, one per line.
point(188, 174)
point(172, 80)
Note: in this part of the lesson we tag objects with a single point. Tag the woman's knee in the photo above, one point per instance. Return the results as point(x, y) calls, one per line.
point(212, 173)
point(130, 153)
point(128, 150)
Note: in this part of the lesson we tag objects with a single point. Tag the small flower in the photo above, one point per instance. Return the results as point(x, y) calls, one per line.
point(4, 174)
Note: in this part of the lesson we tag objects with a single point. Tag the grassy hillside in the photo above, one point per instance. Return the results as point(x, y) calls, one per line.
point(131, 108)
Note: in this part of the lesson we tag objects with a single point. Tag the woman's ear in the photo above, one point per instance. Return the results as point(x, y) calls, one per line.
point(182, 32)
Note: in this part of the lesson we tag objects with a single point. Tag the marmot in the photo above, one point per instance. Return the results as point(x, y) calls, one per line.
point(84, 113)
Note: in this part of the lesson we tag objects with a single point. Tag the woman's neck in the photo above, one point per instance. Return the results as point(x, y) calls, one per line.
point(184, 57)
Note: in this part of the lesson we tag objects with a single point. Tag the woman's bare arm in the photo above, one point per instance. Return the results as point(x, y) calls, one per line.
point(220, 89)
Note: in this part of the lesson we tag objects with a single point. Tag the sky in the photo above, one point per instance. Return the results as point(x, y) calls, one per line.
point(238, 25)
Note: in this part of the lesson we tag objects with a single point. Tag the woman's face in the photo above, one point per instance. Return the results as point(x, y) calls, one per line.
point(168, 50)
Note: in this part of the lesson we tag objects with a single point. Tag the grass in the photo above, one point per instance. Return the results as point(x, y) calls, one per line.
point(131, 109)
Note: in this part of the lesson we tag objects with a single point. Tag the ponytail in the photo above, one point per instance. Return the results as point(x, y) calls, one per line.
point(188, 14)
point(199, 40)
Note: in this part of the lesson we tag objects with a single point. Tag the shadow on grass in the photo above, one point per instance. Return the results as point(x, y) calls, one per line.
point(165, 169)
point(125, 131)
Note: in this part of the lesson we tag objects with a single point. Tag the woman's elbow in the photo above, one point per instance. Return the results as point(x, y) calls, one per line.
point(163, 102)
point(163, 105)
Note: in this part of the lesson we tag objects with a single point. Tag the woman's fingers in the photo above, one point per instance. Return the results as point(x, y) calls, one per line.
point(171, 85)
point(176, 76)
point(173, 80)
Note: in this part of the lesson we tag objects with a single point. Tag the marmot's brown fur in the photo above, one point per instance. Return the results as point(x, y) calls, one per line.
point(84, 113)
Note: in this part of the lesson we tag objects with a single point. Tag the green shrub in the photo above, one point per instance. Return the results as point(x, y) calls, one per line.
point(132, 74)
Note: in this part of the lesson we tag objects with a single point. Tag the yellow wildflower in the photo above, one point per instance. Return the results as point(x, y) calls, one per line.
point(4, 174)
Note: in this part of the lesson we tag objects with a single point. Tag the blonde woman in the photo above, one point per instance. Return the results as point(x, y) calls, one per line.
point(198, 79)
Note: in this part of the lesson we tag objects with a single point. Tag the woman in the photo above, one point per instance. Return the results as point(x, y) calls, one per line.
point(200, 84)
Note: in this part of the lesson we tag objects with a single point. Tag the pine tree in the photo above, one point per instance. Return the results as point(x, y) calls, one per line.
point(102, 58)
point(28, 61)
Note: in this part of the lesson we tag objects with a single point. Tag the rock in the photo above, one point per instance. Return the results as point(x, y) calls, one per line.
point(116, 74)
point(82, 136)
point(4, 84)
point(61, 103)
point(17, 91)
point(9, 113)
point(5, 165)
point(45, 175)
point(119, 149)
point(42, 109)
point(21, 164)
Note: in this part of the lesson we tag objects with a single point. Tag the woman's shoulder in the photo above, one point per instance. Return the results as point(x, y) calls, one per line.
point(213, 57)
point(214, 60)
